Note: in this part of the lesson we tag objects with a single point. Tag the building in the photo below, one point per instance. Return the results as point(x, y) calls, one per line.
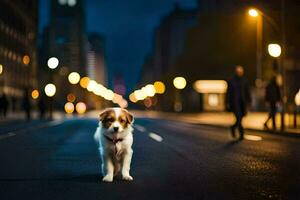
point(18, 47)
point(96, 67)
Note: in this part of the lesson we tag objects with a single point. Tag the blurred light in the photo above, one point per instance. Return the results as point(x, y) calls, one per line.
point(1, 69)
point(71, 97)
point(52, 62)
point(35, 94)
point(210, 86)
point(253, 12)
point(274, 50)
point(92, 86)
point(109, 95)
point(139, 95)
point(74, 78)
point(72, 3)
point(80, 108)
point(297, 98)
point(132, 98)
point(252, 137)
point(26, 60)
point(117, 98)
point(123, 103)
point(279, 79)
point(160, 87)
point(150, 90)
point(213, 100)
point(179, 82)
point(50, 90)
point(148, 102)
point(69, 108)
point(62, 2)
point(84, 82)
point(99, 90)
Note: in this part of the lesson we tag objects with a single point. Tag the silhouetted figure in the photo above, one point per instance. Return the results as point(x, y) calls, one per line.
point(13, 104)
point(238, 99)
point(26, 105)
point(3, 105)
point(273, 97)
point(42, 107)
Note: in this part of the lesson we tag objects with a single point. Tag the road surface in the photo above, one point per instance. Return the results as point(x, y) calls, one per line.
point(172, 160)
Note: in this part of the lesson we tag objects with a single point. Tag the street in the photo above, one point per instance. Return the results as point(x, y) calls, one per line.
point(172, 160)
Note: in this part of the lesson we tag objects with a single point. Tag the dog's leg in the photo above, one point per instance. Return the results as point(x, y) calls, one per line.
point(108, 169)
point(126, 166)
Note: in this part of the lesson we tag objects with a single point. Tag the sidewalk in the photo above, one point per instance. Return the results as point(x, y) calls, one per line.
point(253, 121)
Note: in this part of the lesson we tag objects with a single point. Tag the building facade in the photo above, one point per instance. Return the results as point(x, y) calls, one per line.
point(18, 47)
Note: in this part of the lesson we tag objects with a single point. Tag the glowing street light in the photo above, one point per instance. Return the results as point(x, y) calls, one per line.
point(26, 60)
point(84, 82)
point(179, 83)
point(74, 78)
point(297, 98)
point(50, 90)
point(274, 50)
point(150, 90)
point(92, 86)
point(253, 12)
point(52, 62)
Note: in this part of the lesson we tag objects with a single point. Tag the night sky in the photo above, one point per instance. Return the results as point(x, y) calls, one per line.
point(128, 27)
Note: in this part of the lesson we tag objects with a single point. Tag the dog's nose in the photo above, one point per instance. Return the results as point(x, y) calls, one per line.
point(116, 129)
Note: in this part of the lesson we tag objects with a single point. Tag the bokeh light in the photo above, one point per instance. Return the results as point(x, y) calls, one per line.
point(160, 87)
point(52, 62)
point(71, 97)
point(92, 86)
point(26, 60)
point(50, 90)
point(74, 78)
point(179, 83)
point(84, 82)
point(69, 107)
point(1, 69)
point(274, 50)
point(80, 108)
point(35, 94)
point(253, 12)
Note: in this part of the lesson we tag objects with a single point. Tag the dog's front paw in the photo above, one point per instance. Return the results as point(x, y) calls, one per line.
point(127, 178)
point(107, 178)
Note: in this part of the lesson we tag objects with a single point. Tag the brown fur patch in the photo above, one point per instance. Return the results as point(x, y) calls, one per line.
point(107, 117)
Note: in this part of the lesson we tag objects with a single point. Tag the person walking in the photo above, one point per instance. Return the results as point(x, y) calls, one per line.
point(26, 105)
point(238, 99)
point(273, 98)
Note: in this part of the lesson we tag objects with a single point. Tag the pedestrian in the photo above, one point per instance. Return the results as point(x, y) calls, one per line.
point(273, 98)
point(4, 105)
point(26, 105)
point(238, 99)
point(42, 107)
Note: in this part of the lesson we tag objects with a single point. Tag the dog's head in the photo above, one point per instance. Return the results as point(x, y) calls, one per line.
point(116, 120)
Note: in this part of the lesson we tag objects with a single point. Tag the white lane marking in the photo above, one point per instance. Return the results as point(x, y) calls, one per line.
point(10, 134)
point(140, 128)
point(252, 137)
point(155, 137)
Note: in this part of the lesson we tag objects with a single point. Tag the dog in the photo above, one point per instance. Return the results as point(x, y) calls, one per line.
point(115, 138)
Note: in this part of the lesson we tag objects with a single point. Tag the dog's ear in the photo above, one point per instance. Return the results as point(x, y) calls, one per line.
point(129, 116)
point(103, 115)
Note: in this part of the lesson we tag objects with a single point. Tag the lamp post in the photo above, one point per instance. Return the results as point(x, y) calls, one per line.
point(255, 13)
point(179, 83)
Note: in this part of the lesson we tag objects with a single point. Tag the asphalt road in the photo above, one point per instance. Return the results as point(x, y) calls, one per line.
point(172, 160)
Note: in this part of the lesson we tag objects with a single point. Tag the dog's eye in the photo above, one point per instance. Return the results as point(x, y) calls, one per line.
point(122, 120)
point(110, 119)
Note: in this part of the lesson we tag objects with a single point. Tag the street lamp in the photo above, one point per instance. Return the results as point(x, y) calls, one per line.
point(274, 50)
point(50, 90)
point(253, 12)
point(52, 62)
point(179, 83)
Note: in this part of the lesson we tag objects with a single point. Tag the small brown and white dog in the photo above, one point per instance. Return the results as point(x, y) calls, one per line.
point(114, 136)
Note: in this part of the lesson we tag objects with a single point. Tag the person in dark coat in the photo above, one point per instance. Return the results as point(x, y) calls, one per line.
point(4, 105)
point(238, 99)
point(42, 106)
point(273, 98)
point(26, 105)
